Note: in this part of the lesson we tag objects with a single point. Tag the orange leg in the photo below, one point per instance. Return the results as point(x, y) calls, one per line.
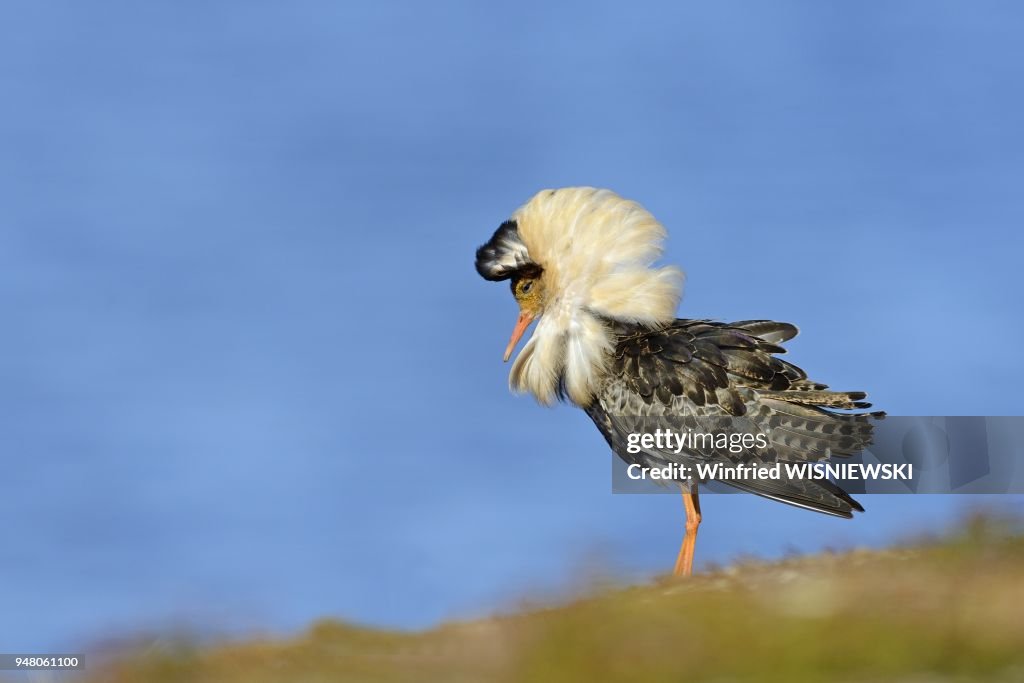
point(684, 563)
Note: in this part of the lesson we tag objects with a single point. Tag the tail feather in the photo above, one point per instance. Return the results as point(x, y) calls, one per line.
point(846, 400)
point(819, 496)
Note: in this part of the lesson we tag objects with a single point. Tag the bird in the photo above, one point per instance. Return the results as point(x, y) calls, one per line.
point(581, 264)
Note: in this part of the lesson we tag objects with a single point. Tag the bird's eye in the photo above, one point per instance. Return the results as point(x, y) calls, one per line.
point(526, 287)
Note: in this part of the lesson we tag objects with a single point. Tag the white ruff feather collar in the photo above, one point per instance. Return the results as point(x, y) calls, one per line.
point(596, 250)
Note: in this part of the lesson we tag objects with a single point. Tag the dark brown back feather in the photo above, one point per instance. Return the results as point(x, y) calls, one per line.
point(701, 371)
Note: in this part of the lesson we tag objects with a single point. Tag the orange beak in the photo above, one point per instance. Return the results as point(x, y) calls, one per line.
point(517, 333)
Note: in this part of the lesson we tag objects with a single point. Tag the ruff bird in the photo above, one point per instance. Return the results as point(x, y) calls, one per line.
point(580, 261)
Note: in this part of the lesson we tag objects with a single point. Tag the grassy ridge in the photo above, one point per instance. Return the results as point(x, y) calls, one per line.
point(943, 611)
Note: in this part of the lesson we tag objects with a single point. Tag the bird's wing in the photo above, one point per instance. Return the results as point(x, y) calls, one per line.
point(707, 376)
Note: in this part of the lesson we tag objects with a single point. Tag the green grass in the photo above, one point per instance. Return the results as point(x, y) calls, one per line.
point(949, 610)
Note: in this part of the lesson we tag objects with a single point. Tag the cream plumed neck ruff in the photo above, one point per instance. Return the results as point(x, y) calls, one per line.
point(592, 252)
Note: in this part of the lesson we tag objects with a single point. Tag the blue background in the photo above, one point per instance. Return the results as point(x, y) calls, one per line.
point(249, 377)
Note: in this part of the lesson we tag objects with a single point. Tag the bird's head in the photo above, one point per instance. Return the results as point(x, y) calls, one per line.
point(579, 260)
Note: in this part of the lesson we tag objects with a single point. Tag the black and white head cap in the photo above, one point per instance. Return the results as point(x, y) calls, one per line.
point(504, 255)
